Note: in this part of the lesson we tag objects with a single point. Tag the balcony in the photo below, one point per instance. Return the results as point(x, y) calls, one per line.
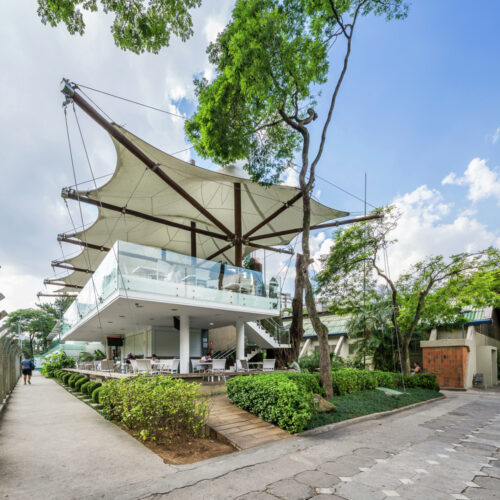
point(136, 272)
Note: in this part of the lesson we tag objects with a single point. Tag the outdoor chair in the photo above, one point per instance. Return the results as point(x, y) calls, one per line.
point(218, 367)
point(170, 366)
point(133, 365)
point(143, 365)
point(268, 365)
point(107, 365)
point(195, 365)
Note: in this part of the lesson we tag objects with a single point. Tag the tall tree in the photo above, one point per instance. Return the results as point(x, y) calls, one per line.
point(138, 25)
point(433, 291)
point(36, 323)
point(271, 62)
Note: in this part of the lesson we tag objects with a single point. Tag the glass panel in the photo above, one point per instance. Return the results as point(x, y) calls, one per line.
point(154, 270)
point(99, 287)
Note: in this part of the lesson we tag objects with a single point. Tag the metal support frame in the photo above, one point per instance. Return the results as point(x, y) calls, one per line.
point(238, 248)
point(317, 226)
point(52, 282)
point(66, 239)
point(70, 91)
point(71, 194)
point(55, 263)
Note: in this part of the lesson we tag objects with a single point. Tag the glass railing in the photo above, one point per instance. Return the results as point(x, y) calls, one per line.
point(280, 333)
point(129, 267)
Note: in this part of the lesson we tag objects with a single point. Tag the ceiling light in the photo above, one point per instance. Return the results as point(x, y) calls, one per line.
point(211, 324)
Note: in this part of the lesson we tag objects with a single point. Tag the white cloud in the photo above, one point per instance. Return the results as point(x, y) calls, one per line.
point(423, 230)
point(482, 181)
point(496, 136)
point(291, 177)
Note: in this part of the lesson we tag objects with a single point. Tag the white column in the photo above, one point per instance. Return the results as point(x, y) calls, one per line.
point(184, 343)
point(240, 340)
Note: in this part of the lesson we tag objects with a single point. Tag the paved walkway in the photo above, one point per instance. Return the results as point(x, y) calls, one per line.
point(54, 446)
point(241, 428)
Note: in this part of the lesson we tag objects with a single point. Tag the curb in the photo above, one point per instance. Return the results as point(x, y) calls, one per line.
point(364, 418)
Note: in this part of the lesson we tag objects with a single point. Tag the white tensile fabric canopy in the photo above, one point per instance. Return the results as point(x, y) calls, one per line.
point(138, 188)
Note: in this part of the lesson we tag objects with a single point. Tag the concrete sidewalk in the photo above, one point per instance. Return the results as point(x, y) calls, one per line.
point(54, 446)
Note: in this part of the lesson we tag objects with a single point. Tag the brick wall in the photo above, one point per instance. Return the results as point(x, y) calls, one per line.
point(448, 363)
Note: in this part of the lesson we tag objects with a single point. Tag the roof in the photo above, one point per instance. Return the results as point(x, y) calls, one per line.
point(484, 314)
point(337, 325)
point(135, 187)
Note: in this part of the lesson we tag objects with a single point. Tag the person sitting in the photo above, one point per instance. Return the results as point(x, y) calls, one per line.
point(206, 358)
point(154, 359)
point(416, 368)
point(129, 357)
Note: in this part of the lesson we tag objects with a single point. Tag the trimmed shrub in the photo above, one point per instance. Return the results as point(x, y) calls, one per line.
point(276, 398)
point(80, 382)
point(91, 386)
point(309, 381)
point(95, 395)
point(350, 380)
point(423, 380)
point(83, 387)
point(73, 380)
point(65, 378)
point(156, 407)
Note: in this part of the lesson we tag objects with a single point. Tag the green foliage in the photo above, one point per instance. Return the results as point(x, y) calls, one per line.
point(367, 402)
point(80, 382)
point(137, 26)
point(84, 387)
point(90, 387)
point(276, 398)
point(56, 362)
point(96, 395)
point(73, 380)
point(433, 292)
point(351, 380)
point(270, 63)
point(99, 355)
point(85, 356)
point(309, 362)
point(156, 407)
point(65, 378)
point(37, 324)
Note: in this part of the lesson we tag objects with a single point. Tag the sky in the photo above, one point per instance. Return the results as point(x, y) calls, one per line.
point(418, 113)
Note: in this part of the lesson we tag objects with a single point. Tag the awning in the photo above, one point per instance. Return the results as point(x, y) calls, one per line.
point(135, 187)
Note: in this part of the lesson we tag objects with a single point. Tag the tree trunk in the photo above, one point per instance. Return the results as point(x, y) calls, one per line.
point(320, 329)
point(287, 356)
point(405, 354)
point(31, 346)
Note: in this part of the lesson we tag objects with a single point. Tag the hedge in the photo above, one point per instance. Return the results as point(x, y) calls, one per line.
point(90, 386)
point(65, 378)
point(83, 387)
point(277, 398)
point(156, 407)
point(80, 382)
point(350, 380)
point(95, 395)
point(73, 380)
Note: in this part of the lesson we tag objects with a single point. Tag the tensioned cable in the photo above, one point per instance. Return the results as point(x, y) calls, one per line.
point(81, 214)
point(132, 101)
point(296, 168)
point(110, 233)
point(185, 118)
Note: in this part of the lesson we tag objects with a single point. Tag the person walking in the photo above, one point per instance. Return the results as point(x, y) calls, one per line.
point(27, 366)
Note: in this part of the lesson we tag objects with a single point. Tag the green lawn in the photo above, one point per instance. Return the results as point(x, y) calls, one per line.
point(366, 402)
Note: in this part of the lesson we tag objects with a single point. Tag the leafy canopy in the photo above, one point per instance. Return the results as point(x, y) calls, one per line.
point(138, 25)
point(433, 291)
point(270, 62)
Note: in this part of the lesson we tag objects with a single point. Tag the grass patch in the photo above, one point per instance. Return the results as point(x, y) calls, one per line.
point(366, 402)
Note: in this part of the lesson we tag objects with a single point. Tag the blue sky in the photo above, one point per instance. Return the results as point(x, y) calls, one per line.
point(421, 100)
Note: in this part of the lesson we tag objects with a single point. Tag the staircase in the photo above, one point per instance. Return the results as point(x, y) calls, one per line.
point(268, 334)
